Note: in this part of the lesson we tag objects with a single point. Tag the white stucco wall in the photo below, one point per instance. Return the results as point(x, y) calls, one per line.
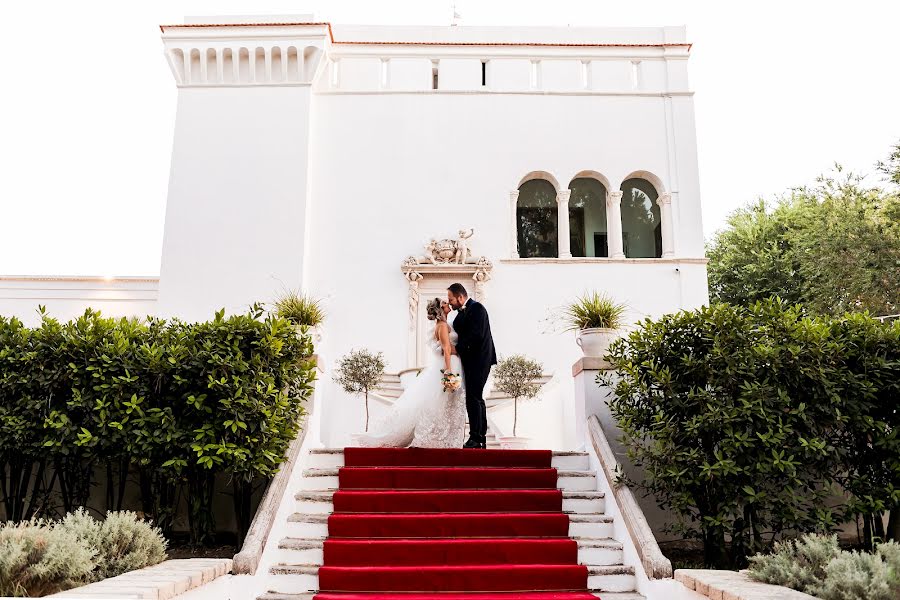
point(67, 297)
point(235, 214)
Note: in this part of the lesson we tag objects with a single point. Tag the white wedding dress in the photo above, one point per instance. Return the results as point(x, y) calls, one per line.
point(424, 416)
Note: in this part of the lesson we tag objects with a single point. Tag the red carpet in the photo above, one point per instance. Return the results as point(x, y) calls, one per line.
point(447, 457)
point(454, 578)
point(451, 551)
point(471, 501)
point(458, 596)
point(437, 524)
point(437, 478)
point(448, 525)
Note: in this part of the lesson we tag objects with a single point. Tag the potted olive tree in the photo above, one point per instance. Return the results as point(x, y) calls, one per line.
point(304, 311)
point(596, 318)
point(359, 372)
point(519, 377)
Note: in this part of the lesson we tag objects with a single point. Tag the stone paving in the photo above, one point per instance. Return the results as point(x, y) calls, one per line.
point(159, 582)
point(734, 585)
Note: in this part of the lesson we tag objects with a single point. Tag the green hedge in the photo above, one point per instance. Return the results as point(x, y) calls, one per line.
point(747, 420)
point(172, 403)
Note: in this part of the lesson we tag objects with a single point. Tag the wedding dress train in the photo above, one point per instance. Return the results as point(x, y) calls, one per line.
point(424, 416)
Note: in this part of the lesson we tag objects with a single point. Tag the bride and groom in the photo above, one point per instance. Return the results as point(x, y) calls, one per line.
point(431, 413)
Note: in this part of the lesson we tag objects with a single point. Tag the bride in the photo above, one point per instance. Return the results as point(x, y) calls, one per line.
point(425, 416)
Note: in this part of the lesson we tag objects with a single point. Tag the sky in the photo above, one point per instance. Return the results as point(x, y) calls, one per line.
point(87, 105)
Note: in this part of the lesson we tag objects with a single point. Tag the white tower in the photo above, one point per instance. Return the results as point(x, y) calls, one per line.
point(237, 204)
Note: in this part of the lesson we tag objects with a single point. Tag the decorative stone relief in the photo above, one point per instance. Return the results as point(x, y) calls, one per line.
point(413, 277)
point(448, 251)
point(481, 276)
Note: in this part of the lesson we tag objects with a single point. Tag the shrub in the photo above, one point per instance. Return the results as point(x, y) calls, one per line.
point(123, 542)
point(359, 372)
point(37, 558)
point(518, 376)
point(593, 309)
point(179, 402)
point(863, 576)
point(22, 459)
point(816, 565)
point(798, 564)
point(299, 309)
point(745, 418)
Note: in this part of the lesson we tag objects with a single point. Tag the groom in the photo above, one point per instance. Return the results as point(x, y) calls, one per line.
point(475, 347)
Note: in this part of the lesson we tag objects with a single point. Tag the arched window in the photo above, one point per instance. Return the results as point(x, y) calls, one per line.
point(587, 218)
point(536, 220)
point(641, 223)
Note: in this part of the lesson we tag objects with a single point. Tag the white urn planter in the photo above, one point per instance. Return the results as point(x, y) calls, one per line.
point(510, 442)
point(595, 341)
point(314, 332)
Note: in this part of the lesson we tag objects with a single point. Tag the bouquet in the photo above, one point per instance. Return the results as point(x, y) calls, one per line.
point(450, 381)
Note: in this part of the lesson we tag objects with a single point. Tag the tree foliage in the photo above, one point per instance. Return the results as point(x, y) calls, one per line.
point(834, 247)
point(891, 166)
point(359, 372)
point(747, 419)
point(174, 403)
point(519, 377)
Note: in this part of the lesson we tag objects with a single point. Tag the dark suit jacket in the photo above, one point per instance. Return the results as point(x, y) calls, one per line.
point(475, 345)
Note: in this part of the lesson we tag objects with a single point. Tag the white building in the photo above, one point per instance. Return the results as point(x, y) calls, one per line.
point(321, 158)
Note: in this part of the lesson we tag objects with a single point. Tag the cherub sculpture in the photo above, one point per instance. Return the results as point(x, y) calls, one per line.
point(462, 247)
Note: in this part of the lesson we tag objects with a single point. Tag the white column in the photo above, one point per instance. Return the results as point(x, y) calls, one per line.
point(562, 215)
point(236, 64)
point(513, 224)
point(614, 224)
point(665, 216)
point(186, 61)
point(301, 57)
point(204, 57)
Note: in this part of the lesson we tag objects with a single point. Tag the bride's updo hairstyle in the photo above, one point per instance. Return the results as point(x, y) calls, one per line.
point(434, 311)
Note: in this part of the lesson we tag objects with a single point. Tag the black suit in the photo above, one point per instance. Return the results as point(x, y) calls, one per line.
point(475, 347)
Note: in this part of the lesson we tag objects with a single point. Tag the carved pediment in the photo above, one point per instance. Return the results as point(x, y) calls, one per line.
point(446, 256)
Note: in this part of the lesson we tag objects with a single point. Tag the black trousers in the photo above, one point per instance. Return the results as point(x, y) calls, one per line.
point(476, 379)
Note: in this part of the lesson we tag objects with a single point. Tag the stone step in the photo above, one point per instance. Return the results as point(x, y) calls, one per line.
point(320, 502)
point(571, 480)
point(593, 552)
point(303, 578)
point(315, 525)
point(333, 458)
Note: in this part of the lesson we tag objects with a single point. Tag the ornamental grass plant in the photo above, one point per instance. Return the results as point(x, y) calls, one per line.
point(300, 309)
point(593, 310)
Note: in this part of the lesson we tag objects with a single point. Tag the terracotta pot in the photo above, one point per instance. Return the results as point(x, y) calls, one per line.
point(595, 341)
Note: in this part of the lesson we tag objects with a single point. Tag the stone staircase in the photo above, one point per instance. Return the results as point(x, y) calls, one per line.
point(299, 555)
